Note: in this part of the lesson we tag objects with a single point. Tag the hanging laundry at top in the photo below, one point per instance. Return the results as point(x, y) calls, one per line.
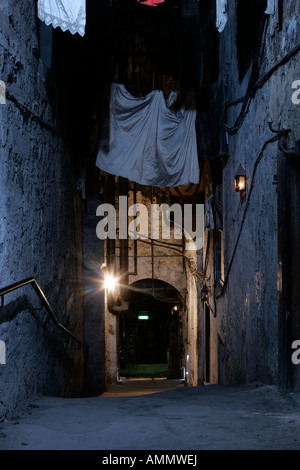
point(67, 14)
point(148, 142)
point(151, 3)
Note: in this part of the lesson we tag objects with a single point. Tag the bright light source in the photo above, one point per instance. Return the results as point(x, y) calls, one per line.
point(174, 309)
point(110, 282)
point(241, 184)
point(240, 180)
point(143, 317)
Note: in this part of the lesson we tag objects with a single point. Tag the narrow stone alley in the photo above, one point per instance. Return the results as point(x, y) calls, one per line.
point(149, 225)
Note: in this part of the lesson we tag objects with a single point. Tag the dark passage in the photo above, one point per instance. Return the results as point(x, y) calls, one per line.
point(149, 334)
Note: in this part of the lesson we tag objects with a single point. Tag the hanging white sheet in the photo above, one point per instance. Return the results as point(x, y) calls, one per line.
point(67, 14)
point(221, 15)
point(149, 143)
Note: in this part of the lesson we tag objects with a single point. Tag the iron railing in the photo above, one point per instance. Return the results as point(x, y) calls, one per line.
point(45, 303)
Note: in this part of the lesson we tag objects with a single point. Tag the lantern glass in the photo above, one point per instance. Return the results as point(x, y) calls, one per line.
point(240, 183)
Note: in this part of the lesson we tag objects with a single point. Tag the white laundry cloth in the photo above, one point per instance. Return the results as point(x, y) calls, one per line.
point(221, 15)
point(271, 7)
point(149, 143)
point(67, 14)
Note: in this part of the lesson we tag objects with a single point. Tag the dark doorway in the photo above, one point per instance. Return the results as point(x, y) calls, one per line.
point(288, 194)
point(149, 332)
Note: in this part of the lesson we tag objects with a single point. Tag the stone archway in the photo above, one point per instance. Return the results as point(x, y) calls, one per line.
point(178, 338)
point(149, 332)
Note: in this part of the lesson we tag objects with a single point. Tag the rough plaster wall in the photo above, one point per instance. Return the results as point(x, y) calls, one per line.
point(37, 232)
point(111, 347)
point(190, 329)
point(200, 325)
point(93, 305)
point(247, 313)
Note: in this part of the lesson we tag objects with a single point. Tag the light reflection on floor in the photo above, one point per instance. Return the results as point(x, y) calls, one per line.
point(142, 386)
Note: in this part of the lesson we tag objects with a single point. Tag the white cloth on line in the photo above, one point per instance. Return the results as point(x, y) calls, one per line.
point(67, 14)
point(149, 143)
point(221, 15)
point(271, 7)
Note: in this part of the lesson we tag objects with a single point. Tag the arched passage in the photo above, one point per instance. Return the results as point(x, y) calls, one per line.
point(149, 332)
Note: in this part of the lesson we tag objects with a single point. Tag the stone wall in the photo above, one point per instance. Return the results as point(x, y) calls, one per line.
point(246, 320)
point(93, 305)
point(37, 224)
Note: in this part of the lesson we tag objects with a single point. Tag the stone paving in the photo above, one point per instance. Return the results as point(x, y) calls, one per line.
point(159, 415)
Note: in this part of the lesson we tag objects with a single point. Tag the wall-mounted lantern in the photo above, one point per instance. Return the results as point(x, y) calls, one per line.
point(240, 180)
point(174, 309)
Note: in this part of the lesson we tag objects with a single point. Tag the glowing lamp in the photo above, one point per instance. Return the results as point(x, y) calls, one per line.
point(110, 282)
point(240, 180)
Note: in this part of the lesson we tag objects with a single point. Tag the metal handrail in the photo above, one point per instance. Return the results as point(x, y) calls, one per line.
point(45, 303)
